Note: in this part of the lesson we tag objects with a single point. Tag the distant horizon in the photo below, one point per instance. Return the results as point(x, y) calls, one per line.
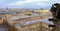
point(46, 4)
point(23, 8)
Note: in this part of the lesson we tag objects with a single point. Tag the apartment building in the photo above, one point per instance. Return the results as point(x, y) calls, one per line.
point(28, 23)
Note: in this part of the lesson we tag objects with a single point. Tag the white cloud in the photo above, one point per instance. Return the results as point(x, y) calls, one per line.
point(25, 2)
point(16, 3)
point(44, 4)
point(28, 1)
point(33, 2)
point(57, 1)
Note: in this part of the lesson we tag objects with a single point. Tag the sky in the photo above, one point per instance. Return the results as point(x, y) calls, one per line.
point(27, 3)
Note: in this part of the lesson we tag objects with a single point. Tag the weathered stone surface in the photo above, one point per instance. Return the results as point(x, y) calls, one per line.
point(55, 9)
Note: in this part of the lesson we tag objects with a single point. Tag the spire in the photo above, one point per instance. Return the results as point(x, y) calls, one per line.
point(7, 8)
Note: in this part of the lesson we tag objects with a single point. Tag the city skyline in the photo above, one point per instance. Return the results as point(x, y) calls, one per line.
point(46, 4)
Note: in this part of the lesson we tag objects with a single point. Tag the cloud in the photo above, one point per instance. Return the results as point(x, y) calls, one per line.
point(16, 3)
point(32, 4)
point(25, 2)
point(57, 1)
